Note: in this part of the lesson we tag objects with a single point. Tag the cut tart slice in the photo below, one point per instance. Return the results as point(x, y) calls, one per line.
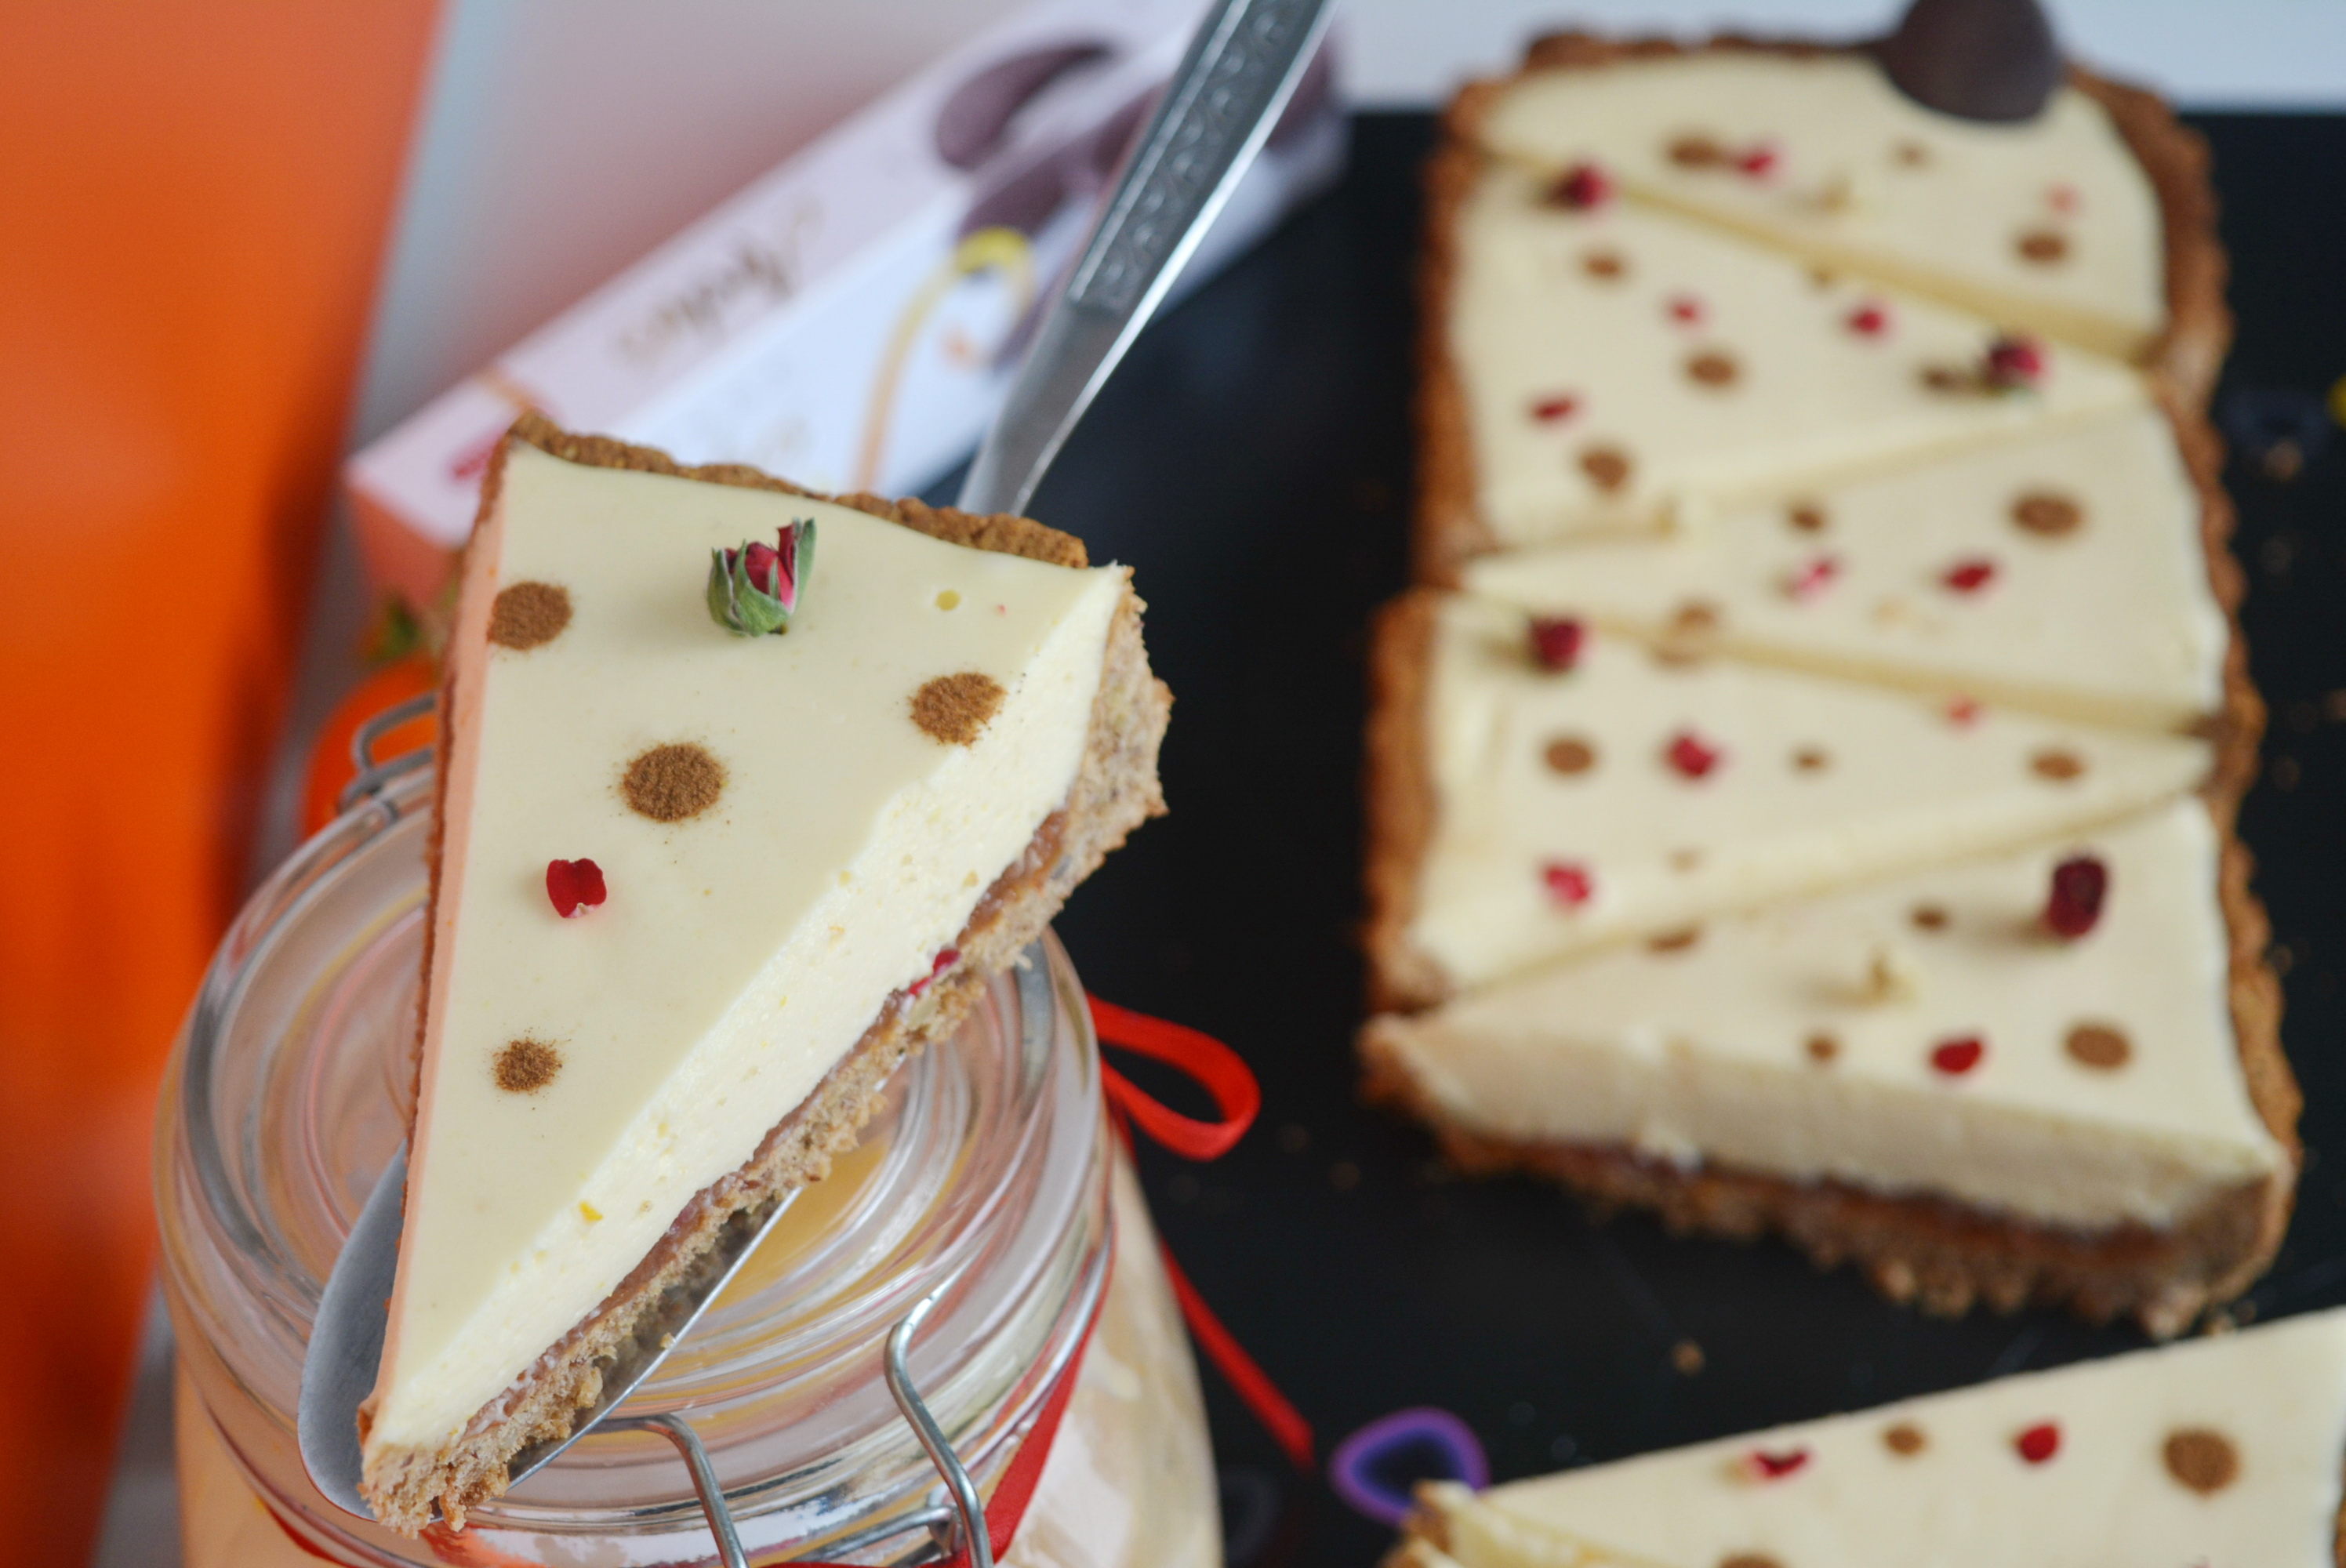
point(1537, 789)
point(2067, 571)
point(2219, 1450)
point(2089, 221)
point(2049, 1075)
point(1603, 366)
point(697, 893)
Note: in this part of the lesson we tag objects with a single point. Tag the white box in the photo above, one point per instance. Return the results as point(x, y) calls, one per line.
point(851, 319)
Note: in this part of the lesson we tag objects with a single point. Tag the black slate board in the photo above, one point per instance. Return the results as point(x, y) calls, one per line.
point(1251, 460)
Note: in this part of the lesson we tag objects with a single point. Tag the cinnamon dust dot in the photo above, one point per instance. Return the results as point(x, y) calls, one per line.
point(1607, 467)
point(1675, 940)
point(1911, 154)
point(2041, 246)
point(1905, 1440)
point(2201, 1459)
point(1569, 754)
point(1605, 264)
point(2057, 764)
point(524, 615)
point(1687, 1358)
point(1697, 151)
point(1713, 368)
point(955, 709)
point(1822, 1048)
point(1810, 759)
point(526, 1065)
point(2098, 1045)
point(2046, 515)
point(1928, 917)
point(1693, 618)
point(1944, 379)
point(1806, 515)
point(674, 782)
point(1686, 860)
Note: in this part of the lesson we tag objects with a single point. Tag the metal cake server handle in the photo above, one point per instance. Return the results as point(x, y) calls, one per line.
point(1218, 110)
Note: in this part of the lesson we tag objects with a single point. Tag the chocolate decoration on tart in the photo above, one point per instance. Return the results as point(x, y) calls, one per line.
point(1975, 59)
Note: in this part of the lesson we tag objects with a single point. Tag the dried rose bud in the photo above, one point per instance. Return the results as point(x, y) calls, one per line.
point(1568, 882)
point(1691, 755)
point(1958, 1056)
point(2039, 1443)
point(946, 959)
point(573, 886)
point(1764, 1465)
point(2080, 883)
point(1870, 319)
point(1812, 579)
point(1580, 187)
point(1969, 575)
point(1759, 161)
point(754, 590)
point(1555, 642)
point(2014, 364)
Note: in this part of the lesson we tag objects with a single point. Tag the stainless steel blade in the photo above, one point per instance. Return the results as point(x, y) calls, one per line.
point(1218, 109)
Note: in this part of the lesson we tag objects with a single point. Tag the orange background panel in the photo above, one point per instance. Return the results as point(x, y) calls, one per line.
point(193, 205)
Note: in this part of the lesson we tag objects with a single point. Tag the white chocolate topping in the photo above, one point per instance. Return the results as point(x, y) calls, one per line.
point(1701, 370)
point(743, 952)
point(2220, 1452)
point(2049, 224)
point(1803, 1041)
point(2093, 603)
point(1815, 784)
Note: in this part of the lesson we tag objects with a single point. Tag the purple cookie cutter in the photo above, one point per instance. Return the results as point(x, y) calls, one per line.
point(1373, 1469)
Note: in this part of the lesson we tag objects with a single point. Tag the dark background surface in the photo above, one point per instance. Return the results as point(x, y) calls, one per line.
point(1252, 461)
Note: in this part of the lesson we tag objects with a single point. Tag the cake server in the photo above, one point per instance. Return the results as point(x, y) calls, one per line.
point(1218, 110)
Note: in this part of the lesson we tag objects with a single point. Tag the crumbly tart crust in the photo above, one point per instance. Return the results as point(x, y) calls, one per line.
point(1115, 789)
point(2183, 363)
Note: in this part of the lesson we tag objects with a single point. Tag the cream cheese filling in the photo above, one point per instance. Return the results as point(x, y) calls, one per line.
point(1622, 366)
point(2049, 224)
point(2095, 603)
point(1816, 784)
point(1955, 1489)
point(741, 952)
point(1799, 1041)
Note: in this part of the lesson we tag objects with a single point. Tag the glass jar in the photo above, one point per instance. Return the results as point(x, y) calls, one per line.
point(989, 1171)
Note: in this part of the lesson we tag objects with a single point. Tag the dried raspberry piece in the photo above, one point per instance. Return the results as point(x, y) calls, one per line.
point(2014, 364)
point(1814, 578)
point(946, 958)
point(1963, 711)
point(1869, 319)
point(1759, 161)
point(1970, 575)
point(2039, 1443)
point(1556, 641)
point(575, 886)
point(1569, 882)
point(1548, 410)
point(1766, 1466)
point(2074, 905)
point(1686, 307)
point(1580, 187)
point(1691, 755)
point(1958, 1056)
point(2060, 197)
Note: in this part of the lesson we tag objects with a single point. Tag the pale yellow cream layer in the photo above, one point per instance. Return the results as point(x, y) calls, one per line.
point(1814, 784)
point(1622, 366)
point(2064, 571)
point(2049, 224)
point(741, 952)
point(2271, 1400)
point(1799, 1041)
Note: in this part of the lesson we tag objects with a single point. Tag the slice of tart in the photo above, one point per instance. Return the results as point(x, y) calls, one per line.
point(2048, 1075)
point(2065, 572)
point(727, 828)
point(2220, 1452)
point(1538, 790)
point(2087, 220)
point(1604, 366)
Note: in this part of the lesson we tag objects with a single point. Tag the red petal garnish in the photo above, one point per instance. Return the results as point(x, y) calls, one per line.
point(2014, 361)
point(1957, 1057)
point(1969, 576)
point(1580, 187)
point(1758, 161)
point(2079, 885)
point(575, 886)
point(1962, 711)
point(1686, 307)
point(1814, 578)
point(946, 958)
point(2039, 1443)
point(1569, 882)
point(1766, 1466)
point(2060, 197)
point(1691, 755)
point(1869, 321)
point(1548, 410)
point(1557, 642)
